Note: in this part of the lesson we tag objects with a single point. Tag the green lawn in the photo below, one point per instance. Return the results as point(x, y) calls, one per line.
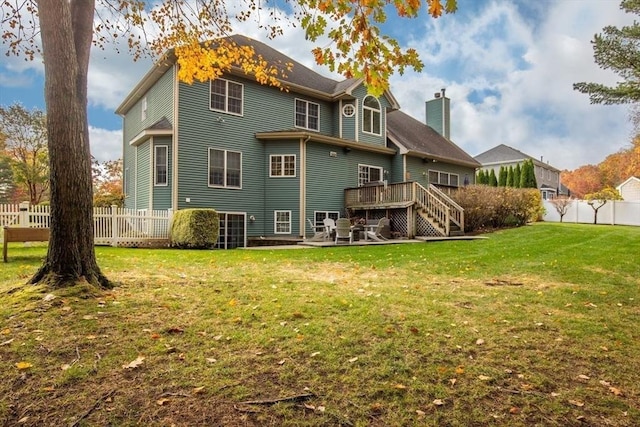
point(533, 326)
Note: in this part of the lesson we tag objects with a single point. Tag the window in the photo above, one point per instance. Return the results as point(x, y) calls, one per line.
point(144, 109)
point(282, 222)
point(160, 165)
point(319, 216)
point(371, 116)
point(443, 178)
point(348, 110)
point(369, 174)
point(225, 168)
point(282, 165)
point(232, 230)
point(226, 96)
point(307, 115)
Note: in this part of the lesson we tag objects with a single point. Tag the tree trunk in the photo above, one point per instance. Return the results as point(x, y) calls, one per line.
point(66, 32)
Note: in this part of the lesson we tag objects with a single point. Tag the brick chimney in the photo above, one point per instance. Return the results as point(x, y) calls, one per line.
point(437, 114)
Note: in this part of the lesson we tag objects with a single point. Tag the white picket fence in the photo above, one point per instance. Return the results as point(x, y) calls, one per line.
point(613, 212)
point(112, 226)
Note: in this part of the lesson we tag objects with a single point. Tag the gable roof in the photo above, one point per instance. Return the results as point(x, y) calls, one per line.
point(628, 180)
point(504, 154)
point(419, 140)
point(300, 79)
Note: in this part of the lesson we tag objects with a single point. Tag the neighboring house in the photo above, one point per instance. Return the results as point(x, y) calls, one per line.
point(630, 189)
point(268, 159)
point(547, 177)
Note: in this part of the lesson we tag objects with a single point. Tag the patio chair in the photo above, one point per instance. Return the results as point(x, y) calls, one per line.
point(343, 230)
point(319, 231)
point(330, 227)
point(376, 232)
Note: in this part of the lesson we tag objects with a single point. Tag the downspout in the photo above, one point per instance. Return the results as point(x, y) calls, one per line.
point(152, 155)
point(303, 184)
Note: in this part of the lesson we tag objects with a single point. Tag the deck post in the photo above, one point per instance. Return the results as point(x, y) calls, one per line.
point(411, 222)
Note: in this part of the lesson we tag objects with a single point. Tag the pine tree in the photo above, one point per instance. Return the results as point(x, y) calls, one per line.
point(517, 173)
point(502, 177)
point(617, 49)
point(510, 176)
point(493, 180)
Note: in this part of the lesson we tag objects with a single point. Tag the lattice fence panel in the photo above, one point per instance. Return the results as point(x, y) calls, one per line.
point(424, 228)
point(398, 219)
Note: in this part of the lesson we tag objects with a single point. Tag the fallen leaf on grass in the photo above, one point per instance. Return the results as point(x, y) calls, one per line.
point(7, 342)
point(282, 362)
point(211, 360)
point(353, 359)
point(438, 402)
point(197, 390)
point(23, 365)
point(400, 387)
point(584, 377)
point(483, 378)
point(514, 410)
point(479, 341)
point(5, 331)
point(134, 363)
point(615, 391)
point(161, 402)
point(420, 413)
point(576, 403)
point(453, 381)
point(460, 370)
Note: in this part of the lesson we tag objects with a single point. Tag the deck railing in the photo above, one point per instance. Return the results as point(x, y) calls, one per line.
point(432, 200)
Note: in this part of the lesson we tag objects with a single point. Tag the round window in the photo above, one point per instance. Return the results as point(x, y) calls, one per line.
point(348, 110)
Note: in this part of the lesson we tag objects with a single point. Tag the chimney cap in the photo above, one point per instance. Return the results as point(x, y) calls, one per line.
point(436, 95)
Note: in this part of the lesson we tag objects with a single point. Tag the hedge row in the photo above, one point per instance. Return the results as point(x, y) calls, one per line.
point(498, 207)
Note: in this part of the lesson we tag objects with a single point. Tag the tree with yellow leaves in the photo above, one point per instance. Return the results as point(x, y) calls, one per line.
point(63, 32)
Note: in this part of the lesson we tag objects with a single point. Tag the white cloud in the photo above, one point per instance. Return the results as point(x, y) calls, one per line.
point(528, 73)
point(105, 144)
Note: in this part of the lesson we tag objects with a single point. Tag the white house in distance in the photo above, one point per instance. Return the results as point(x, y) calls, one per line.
point(547, 177)
point(630, 189)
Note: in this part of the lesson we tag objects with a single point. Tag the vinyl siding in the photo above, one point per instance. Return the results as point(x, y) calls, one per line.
point(282, 193)
point(264, 109)
point(328, 176)
point(143, 175)
point(434, 112)
point(162, 194)
point(159, 104)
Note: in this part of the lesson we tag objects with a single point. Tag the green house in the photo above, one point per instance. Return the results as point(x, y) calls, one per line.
point(273, 161)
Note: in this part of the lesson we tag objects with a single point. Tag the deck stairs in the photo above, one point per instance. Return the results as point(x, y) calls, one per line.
point(434, 206)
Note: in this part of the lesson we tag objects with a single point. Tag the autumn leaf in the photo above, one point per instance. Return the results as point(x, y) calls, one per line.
point(576, 403)
point(134, 363)
point(162, 402)
point(23, 365)
point(438, 402)
point(483, 378)
point(400, 387)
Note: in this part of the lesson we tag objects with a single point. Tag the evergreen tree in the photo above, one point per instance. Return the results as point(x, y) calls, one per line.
point(528, 175)
point(510, 176)
point(481, 177)
point(517, 172)
point(493, 180)
point(502, 177)
point(617, 49)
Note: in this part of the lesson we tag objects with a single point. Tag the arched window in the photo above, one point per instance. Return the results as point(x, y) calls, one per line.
point(371, 116)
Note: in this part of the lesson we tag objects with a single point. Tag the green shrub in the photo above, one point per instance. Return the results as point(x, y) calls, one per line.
point(195, 228)
point(497, 207)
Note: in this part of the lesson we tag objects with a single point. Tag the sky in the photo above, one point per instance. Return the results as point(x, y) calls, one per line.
point(508, 67)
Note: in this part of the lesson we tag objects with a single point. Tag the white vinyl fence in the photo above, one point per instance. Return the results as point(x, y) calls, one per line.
point(614, 212)
point(112, 226)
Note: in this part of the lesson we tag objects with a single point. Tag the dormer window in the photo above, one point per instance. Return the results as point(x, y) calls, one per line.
point(371, 116)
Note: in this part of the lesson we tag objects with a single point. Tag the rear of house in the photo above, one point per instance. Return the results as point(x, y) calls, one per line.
point(266, 159)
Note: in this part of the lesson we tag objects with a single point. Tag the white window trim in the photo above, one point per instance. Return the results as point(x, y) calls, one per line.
point(225, 169)
point(155, 165)
point(449, 175)
point(226, 98)
point(306, 126)
point(326, 215)
point(360, 165)
point(373, 110)
point(275, 222)
point(282, 156)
